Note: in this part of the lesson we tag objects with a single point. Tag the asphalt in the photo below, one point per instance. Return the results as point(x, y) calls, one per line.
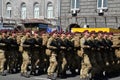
point(17, 76)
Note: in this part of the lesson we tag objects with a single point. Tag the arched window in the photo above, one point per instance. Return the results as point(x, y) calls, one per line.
point(8, 10)
point(36, 10)
point(23, 11)
point(50, 10)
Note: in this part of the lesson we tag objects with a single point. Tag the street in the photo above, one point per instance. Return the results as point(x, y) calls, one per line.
point(44, 77)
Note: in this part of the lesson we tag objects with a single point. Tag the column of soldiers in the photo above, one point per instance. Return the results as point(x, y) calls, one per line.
point(89, 54)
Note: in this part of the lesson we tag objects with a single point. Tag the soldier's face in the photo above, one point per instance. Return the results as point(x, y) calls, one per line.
point(55, 35)
point(63, 36)
point(13, 35)
point(100, 34)
point(111, 37)
point(36, 35)
point(87, 35)
point(69, 36)
point(105, 36)
point(28, 34)
point(3, 34)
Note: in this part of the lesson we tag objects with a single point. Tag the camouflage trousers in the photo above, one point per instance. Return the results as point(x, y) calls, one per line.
point(85, 66)
point(53, 64)
point(2, 60)
point(26, 61)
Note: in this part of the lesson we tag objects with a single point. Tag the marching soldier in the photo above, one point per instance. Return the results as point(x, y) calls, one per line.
point(70, 52)
point(85, 64)
point(92, 54)
point(44, 56)
point(2, 54)
point(52, 45)
point(62, 62)
point(100, 54)
point(14, 47)
point(36, 56)
point(112, 58)
point(76, 56)
point(26, 45)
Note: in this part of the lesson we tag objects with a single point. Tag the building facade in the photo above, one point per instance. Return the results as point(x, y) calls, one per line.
point(95, 13)
point(29, 11)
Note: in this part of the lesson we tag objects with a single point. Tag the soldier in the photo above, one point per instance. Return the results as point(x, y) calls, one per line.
point(2, 54)
point(13, 47)
point(85, 64)
point(92, 54)
point(112, 57)
point(26, 45)
point(36, 56)
point(44, 56)
point(77, 53)
point(52, 45)
point(70, 52)
point(100, 54)
point(62, 62)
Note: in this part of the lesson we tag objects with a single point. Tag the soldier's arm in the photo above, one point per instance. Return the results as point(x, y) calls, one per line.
point(22, 41)
point(82, 41)
point(49, 44)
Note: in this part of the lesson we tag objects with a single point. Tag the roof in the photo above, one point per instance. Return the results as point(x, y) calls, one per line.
point(33, 21)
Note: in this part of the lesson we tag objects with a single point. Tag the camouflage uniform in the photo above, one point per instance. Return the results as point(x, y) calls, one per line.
point(2, 55)
point(26, 54)
point(77, 53)
point(36, 56)
point(13, 47)
point(85, 64)
point(53, 62)
point(44, 56)
point(70, 52)
point(62, 62)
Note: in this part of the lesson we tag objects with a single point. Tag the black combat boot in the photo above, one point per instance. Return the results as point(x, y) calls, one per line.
point(25, 75)
point(52, 77)
point(3, 73)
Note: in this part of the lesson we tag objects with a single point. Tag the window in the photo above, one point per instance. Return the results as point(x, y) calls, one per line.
point(102, 4)
point(75, 4)
point(49, 10)
point(36, 10)
point(8, 10)
point(23, 11)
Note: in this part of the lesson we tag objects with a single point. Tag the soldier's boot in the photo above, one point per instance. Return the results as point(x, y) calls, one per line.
point(3, 73)
point(63, 75)
point(52, 77)
point(25, 75)
point(32, 73)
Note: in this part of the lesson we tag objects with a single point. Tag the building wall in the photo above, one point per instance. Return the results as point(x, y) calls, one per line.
point(88, 14)
point(16, 8)
point(0, 8)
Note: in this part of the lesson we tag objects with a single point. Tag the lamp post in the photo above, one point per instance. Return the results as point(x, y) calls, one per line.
point(2, 12)
point(59, 13)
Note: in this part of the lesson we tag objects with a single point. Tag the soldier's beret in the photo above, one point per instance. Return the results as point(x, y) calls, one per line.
point(67, 33)
point(86, 31)
point(110, 33)
point(92, 32)
point(77, 33)
point(105, 32)
point(100, 32)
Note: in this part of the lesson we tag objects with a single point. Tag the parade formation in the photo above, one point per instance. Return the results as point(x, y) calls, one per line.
point(88, 54)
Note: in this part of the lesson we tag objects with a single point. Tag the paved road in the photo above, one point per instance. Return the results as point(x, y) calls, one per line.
point(42, 77)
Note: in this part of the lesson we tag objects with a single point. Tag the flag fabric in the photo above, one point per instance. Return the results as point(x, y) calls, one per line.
point(49, 30)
